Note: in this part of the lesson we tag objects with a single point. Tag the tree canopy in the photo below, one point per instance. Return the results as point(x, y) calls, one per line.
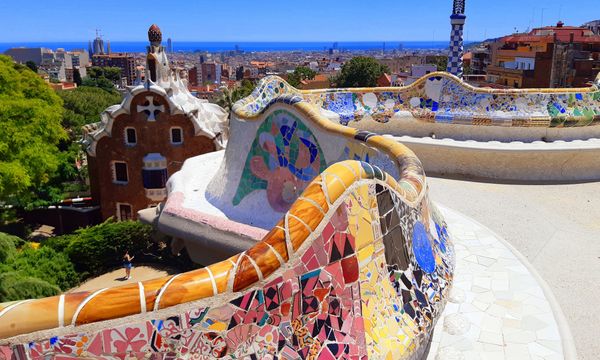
point(102, 77)
point(230, 96)
point(299, 74)
point(30, 131)
point(360, 71)
point(84, 105)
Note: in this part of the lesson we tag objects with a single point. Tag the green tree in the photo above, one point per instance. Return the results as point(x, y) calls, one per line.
point(7, 248)
point(84, 106)
point(98, 249)
point(230, 96)
point(30, 64)
point(360, 71)
point(102, 77)
point(440, 61)
point(299, 74)
point(32, 273)
point(15, 286)
point(30, 132)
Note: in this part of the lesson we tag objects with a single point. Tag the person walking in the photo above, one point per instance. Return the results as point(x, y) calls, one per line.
point(127, 264)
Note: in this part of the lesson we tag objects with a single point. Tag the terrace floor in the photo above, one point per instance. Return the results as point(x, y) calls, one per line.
point(555, 227)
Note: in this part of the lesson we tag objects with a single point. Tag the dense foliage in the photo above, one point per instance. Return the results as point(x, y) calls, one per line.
point(102, 77)
point(62, 262)
point(7, 248)
point(15, 286)
point(98, 249)
point(360, 71)
point(30, 132)
point(29, 273)
point(440, 61)
point(39, 149)
point(299, 74)
point(230, 96)
point(84, 105)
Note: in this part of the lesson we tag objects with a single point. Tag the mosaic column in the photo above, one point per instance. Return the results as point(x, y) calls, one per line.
point(457, 20)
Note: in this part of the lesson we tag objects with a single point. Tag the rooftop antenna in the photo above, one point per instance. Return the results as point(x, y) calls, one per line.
point(542, 24)
point(560, 12)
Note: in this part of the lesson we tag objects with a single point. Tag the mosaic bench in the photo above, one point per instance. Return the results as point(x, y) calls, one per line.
point(348, 258)
point(441, 98)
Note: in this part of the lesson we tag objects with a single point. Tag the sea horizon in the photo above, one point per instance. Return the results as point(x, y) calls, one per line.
point(247, 46)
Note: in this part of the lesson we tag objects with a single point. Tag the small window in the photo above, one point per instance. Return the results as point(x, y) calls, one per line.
point(176, 136)
point(130, 136)
point(120, 172)
point(124, 212)
point(154, 178)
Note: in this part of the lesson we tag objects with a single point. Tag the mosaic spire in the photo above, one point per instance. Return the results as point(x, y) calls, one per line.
point(457, 20)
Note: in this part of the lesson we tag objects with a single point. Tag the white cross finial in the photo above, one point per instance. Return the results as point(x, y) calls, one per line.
point(151, 108)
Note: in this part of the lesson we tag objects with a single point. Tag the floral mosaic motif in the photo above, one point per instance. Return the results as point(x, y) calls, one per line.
point(283, 158)
point(357, 291)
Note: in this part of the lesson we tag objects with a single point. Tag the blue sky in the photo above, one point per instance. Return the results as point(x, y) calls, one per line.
point(278, 20)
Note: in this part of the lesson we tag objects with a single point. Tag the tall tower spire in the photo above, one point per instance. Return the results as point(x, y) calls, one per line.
point(457, 20)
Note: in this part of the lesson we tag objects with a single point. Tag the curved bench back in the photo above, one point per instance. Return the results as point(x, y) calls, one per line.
point(443, 98)
point(359, 264)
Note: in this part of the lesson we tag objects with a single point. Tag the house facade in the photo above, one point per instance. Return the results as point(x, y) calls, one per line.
point(139, 143)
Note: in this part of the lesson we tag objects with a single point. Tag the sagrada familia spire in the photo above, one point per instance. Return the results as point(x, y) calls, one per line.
point(457, 19)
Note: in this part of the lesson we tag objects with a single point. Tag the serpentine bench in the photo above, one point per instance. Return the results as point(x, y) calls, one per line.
point(340, 254)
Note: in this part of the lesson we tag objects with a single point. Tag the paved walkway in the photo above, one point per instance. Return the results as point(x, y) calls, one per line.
point(116, 278)
point(498, 308)
point(556, 227)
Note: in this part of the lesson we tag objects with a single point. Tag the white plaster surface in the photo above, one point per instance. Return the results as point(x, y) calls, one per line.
point(556, 228)
point(575, 160)
point(404, 124)
point(498, 309)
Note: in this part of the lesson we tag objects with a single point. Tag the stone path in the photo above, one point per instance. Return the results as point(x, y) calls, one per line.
point(498, 307)
point(115, 278)
point(556, 227)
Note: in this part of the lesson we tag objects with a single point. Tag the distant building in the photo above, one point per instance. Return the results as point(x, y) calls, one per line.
point(98, 45)
point(80, 58)
point(55, 69)
point(169, 46)
point(193, 76)
point(22, 55)
point(121, 60)
point(211, 73)
point(402, 63)
point(385, 80)
point(480, 58)
point(320, 81)
point(552, 56)
point(418, 71)
point(593, 26)
point(146, 138)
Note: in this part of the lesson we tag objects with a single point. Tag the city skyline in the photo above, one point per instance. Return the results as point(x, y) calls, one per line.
point(270, 21)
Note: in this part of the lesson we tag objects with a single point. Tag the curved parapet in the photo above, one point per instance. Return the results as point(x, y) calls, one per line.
point(355, 263)
point(455, 128)
point(443, 98)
